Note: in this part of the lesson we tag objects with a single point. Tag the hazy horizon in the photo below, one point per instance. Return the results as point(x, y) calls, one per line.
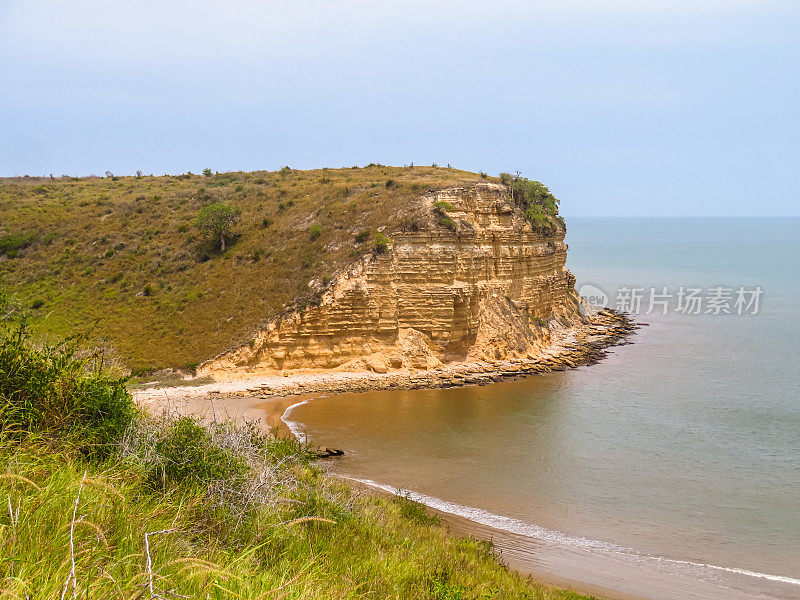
point(665, 109)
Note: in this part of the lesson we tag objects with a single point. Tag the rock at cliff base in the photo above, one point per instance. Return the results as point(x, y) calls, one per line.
point(375, 363)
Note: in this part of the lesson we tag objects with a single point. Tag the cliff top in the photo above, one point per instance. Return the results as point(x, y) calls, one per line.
point(124, 258)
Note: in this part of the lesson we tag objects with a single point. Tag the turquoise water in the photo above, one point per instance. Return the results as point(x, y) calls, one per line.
point(685, 444)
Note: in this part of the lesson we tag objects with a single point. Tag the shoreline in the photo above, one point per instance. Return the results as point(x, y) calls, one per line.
point(592, 567)
point(611, 575)
point(269, 400)
point(570, 347)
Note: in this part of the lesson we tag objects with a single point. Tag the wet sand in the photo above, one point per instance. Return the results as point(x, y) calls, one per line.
point(266, 413)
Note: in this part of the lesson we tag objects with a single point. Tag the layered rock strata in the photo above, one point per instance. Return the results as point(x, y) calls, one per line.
point(485, 287)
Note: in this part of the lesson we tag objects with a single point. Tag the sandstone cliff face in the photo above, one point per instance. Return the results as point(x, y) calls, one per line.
point(488, 291)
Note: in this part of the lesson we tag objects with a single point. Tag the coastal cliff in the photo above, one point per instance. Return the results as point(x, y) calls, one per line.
point(360, 269)
point(469, 279)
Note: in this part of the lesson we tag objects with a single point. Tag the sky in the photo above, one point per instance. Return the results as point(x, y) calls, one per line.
point(621, 107)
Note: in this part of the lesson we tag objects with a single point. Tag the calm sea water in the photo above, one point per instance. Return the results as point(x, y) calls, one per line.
point(684, 445)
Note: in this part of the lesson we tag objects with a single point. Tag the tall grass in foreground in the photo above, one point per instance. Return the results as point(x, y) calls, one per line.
point(173, 509)
point(321, 541)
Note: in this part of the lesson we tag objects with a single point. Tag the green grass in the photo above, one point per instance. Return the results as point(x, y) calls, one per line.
point(536, 200)
point(177, 509)
point(372, 549)
point(123, 259)
point(55, 391)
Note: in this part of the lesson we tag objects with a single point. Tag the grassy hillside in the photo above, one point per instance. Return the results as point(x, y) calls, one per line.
point(121, 256)
point(106, 502)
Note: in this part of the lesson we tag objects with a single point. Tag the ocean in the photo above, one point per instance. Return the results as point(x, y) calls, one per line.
point(669, 470)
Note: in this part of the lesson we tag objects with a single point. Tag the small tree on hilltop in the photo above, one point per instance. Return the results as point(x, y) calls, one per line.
point(216, 220)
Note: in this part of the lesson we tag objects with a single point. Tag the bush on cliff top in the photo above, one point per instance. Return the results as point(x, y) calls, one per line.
point(538, 202)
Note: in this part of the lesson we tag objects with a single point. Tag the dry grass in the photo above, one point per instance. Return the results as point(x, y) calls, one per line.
point(78, 529)
point(121, 256)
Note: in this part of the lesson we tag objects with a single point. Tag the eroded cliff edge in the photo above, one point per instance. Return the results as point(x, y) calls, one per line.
point(488, 286)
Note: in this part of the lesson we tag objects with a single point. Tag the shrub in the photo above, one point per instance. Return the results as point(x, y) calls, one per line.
point(441, 207)
point(382, 243)
point(362, 236)
point(315, 231)
point(533, 197)
point(390, 183)
point(410, 223)
point(266, 222)
point(535, 214)
point(50, 391)
point(12, 243)
point(37, 304)
point(448, 223)
point(207, 172)
point(483, 174)
point(188, 456)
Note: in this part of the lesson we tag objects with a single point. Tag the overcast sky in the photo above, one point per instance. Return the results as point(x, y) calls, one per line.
point(622, 107)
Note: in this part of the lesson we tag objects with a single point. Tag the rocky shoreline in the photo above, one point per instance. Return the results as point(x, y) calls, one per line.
point(571, 347)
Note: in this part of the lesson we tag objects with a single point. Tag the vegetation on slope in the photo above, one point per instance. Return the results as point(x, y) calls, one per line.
point(172, 270)
point(173, 509)
point(124, 255)
point(536, 200)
